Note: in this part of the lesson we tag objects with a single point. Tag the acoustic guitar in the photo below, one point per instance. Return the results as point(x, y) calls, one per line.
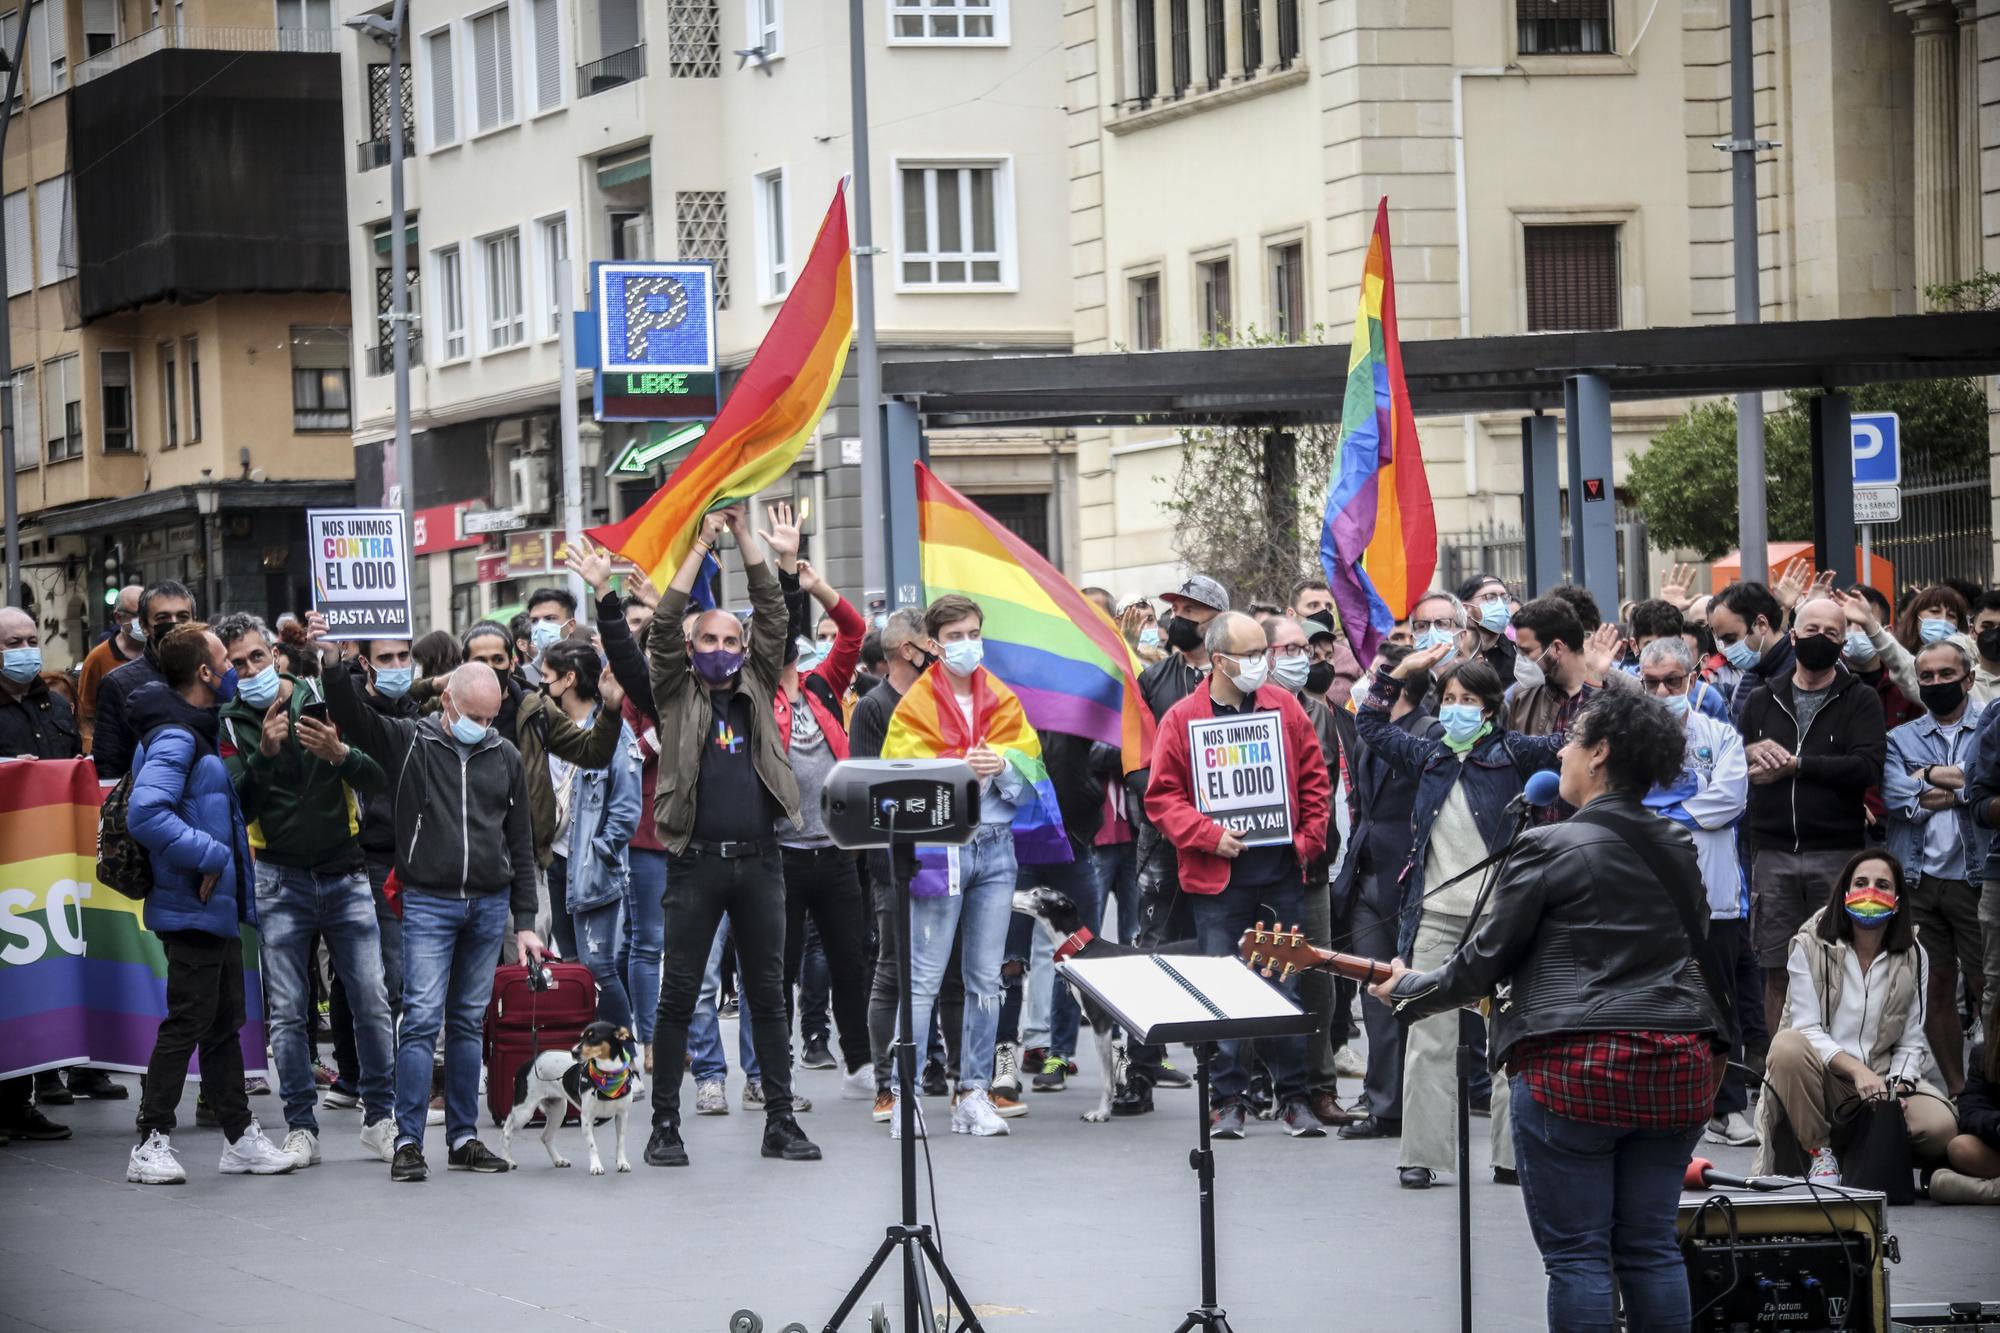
point(1277, 953)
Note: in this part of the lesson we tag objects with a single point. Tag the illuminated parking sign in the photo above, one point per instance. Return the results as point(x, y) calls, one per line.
point(655, 340)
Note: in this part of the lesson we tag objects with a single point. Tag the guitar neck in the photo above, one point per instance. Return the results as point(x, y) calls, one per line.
point(1353, 966)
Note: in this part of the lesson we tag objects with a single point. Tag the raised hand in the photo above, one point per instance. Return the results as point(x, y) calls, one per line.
point(809, 578)
point(1423, 660)
point(321, 739)
point(1677, 586)
point(783, 536)
point(1860, 611)
point(610, 693)
point(590, 562)
point(1791, 584)
point(277, 726)
point(1600, 651)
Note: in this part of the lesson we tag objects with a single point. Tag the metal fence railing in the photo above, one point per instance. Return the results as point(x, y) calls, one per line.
point(1946, 530)
point(179, 37)
point(619, 68)
point(1501, 549)
point(374, 153)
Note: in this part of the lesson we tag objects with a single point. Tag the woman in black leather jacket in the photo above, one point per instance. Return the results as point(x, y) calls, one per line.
point(1602, 1018)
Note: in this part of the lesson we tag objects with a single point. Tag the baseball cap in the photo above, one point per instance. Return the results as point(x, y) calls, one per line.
point(1319, 625)
point(1203, 589)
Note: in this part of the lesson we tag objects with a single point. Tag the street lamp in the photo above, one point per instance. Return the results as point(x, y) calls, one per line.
point(10, 500)
point(389, 31)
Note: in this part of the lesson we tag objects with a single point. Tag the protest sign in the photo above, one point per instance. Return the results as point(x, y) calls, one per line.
point(1238, 768)
point(360, 572)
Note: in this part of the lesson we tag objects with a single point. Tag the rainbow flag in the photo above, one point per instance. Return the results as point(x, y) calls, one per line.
point(773, 410)
point(929, 724)
point(1379, 542)
point(1063, 657)
point(81, 978)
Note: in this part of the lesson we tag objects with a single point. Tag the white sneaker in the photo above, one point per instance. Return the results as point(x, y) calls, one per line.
point(1007, 1068)
point(303, 1145)
point(154, 1162)
point(858, 1086)
point(1733, 1130)
point(896, 1119)
point(380, 1138)
point(255, 1155)
point(975, 1115)
point(1347, 1063)
point(1825, 1168)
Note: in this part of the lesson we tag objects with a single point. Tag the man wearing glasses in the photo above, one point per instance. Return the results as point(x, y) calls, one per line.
point(1489, 607)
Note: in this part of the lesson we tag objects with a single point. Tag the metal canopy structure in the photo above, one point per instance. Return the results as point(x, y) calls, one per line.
point(1297, 385)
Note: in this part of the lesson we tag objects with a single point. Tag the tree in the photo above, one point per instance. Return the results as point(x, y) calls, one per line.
point(1685, 482)
point(1241, 506)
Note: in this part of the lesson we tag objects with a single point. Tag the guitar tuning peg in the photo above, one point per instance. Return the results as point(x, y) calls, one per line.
point(1286, 975)
point(1253, 958)
point(1269, 963)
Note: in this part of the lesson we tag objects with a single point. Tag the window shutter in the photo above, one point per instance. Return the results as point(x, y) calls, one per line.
point(58, 35)
point(54, 396)
point(20, 259)
point(548, 54)
point(36, 76)
point(100, 16)
point(444, 98)
point(485, 73)
point(27, 417)
point(51, 208)
point(1571, 277)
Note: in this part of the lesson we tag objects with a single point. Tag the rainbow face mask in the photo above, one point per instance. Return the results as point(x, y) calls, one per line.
point(1870, 906)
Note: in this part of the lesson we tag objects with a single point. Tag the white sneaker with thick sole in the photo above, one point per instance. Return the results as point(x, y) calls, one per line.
point(255, 1155)
point(975, 1115)
point(1347, 1063)
point(1733, 1130)
point(380, 1138)
point(154, 1162)
point(303, 1145)
point(858, 1086)
point(1007, 1068)
point(896, 1119)
point(1825, 1168)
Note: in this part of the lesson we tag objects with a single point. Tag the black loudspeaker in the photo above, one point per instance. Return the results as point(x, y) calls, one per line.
point(883, 802)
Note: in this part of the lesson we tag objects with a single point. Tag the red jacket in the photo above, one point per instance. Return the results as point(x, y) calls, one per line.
point(837, 672)
point(1170, 794)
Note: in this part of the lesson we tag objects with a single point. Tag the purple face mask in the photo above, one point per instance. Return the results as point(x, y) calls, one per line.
point(717, 667)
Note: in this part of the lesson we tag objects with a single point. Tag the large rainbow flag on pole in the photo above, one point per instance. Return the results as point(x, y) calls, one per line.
point(1379, 542)
point(770, 414)
point(81, 978)
point(1060, 654)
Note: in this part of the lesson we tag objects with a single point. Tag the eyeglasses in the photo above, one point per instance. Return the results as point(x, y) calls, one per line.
point(1423, 626)
point(1675, 684)
point(1250, 658)
point(1292, 650)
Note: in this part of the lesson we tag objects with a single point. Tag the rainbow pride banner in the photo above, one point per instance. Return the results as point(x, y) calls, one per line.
point(82, 981)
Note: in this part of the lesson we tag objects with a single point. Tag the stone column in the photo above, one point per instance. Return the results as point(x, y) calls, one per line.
point(1936, 147)
point(1234, 67)
point(1163, 47)
point(1969, 225)
point(1267, 33)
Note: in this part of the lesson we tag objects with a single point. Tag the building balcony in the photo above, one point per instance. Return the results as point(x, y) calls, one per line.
point(175, 37)
point(374, 153)
point(382, 357)
point(614, 70)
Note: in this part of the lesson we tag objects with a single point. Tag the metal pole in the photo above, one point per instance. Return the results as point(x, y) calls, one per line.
point(1868, 554)
point(1752, 525)
point(1056, 504)
point(8, 493)
point(572, 467)
point(875, 526)
point(399, 300)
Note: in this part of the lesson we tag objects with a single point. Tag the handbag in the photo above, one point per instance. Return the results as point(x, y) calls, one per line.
point(1877, 1153)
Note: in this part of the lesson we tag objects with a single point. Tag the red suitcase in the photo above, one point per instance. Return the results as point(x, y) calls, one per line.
point(520, 1022)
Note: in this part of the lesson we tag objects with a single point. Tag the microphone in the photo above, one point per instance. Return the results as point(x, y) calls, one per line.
point(1543, 789)
point(1702, 1175)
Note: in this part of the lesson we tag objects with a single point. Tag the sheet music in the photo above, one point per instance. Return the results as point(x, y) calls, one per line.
point(1182, 995)
point(1232, 987)
point(1139, 987)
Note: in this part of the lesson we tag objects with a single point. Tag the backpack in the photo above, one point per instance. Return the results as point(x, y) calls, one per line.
point(123, 866)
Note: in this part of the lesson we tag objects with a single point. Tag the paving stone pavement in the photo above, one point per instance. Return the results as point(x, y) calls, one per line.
point(1060, 1226)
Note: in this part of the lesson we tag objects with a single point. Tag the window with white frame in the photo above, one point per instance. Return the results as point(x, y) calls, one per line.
point(114, 402)
point(48, 49)
point(191, 358)
point(7, 33)
point(448, 299)
point(20, 259)
point(62, 406)
point(503, 322)
point(27, 419)
point(442, 94)
point(774, 270)
point(100, 27)
point(55, 250)
point(322, 378)
point(1147, 334)
point(946, 21)
point(492, 70)
point(955, 224)
point(552, 243)
point(766, 26)
point(305, 15)
point(170, 398)
point(1212, 299)
point(547, 30)
point(1285, 263)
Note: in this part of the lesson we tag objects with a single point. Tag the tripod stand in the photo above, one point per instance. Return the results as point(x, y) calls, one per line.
point(911, 1237)
point(1208, 1314)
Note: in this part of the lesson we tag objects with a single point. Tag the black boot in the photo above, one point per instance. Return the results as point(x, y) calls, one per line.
point(783, 1138)
point(1135, 1098)
point(50, 1090)
point(665, 1147)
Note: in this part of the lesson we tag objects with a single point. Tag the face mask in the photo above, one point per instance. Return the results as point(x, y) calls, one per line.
point(1942, 698)
point(809, 654)
point(1528, 672)
point(1461, 721)
point(1319, 678)
point(1740, 654)
point(225, 689)
point(1292, 672)
point(1432, 637)
point(139, 630)
point(1677, 704)
point(1989, 643)
point(1149, 637)
point(963, 658)
point(718, 666)
point(1493, 616)
point(394, 682)
point(1859, 649)
point(467, 732)
point(1816, 651)
point(1183, 634)
point(1870, 906)
point(259, 690)
point(1933, 629)
point(544, 634)
point(21, 665)
point(882, 621)
point(1250, 676)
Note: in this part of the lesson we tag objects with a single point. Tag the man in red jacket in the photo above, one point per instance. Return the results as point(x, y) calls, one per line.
point(1236, 864)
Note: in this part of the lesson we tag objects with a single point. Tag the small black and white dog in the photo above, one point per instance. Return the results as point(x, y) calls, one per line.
point(599, 1076)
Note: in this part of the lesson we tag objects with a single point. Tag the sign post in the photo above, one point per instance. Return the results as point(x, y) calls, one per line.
point(655, 340)
point(1237, 766)
point(360, 572)
point(1878, 479)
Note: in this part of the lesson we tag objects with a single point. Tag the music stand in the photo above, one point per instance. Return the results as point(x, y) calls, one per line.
point(1200, 1001)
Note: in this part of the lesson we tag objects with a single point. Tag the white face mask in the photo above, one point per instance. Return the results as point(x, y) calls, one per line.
point(1250, 676)
point(1528, 672)
point(1291, 672)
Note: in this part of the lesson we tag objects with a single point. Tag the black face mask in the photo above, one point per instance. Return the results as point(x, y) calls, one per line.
point(1942, 698)
point(1183, 633)
point(1816, 652)
point(1989, 643)
point(1320, 678)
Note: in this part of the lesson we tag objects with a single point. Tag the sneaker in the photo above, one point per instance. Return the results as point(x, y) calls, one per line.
point(408, 1163)
point(783, 1138)
point(35, 1128)
point(1415, 1177)
point(665, 1147)
point(256, 1087)
point(1054, 1075)
point(1135, 1098)
point(1263, 1101)
point(728, 1008)
point(1825, 1168)
point(155, 1162)
point(472, 1155)
point(254, 1155)
point(303, 1145)
point(1506, 1175)
point(1300, 1122)
point(710, 1098)
point(801, 1103)
point(896, 1118)
point(934, 1082)
point(816, 1055)
point(753, 1093)
point(380, 1139)
point(1733, 1130)
point(1347, 1063)
point(1948, 1186)
point(1007, 1106)
point(204, 1117)
point(1170, 1077)
point(50, 1089)
point(1007, 1068)
point(96, 1085)
point(858, 1085)
point(885, 1106)
point(435, 1114)
point(1227, 1121)
point(339, 1098)
point(1032, 1057)
point(323, 1077)
point(975, 1114)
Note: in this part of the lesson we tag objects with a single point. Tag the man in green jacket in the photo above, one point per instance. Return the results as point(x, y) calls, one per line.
point(296, 781)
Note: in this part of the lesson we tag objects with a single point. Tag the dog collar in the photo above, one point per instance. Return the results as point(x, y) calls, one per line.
point(1074, 944)
point(609, 1087)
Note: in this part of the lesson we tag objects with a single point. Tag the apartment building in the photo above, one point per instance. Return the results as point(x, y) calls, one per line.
point(1550, 166)
point(587, 130)
point(177, 287)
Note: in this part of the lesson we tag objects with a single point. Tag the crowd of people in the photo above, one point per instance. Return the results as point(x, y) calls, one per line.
point(634, 785)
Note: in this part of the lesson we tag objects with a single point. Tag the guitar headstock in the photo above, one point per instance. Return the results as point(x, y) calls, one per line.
point(1276, 952)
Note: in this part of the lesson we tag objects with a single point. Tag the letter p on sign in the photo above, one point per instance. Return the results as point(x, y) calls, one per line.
point(1878, 452)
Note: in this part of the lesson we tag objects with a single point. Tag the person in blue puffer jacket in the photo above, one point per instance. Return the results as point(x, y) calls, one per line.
point(183, 811)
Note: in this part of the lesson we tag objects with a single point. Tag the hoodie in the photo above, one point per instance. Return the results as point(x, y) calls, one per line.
point(185, 814)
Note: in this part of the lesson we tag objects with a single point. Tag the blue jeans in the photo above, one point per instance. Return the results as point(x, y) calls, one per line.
point(704, 1041)
point(1602, 1199)
point(293, 906)
point(644, 940)
point(1219, 922)
point(450, 948)
point(815, 987)
point(598, 931)
point(980, 909)
point(1117, 868)
point(1079, 881)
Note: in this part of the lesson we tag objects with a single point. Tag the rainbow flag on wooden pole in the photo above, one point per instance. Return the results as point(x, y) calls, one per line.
point(773, 410)
point(1379, 541)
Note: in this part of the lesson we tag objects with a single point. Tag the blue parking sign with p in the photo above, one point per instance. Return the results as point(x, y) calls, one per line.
point(1878, 449)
